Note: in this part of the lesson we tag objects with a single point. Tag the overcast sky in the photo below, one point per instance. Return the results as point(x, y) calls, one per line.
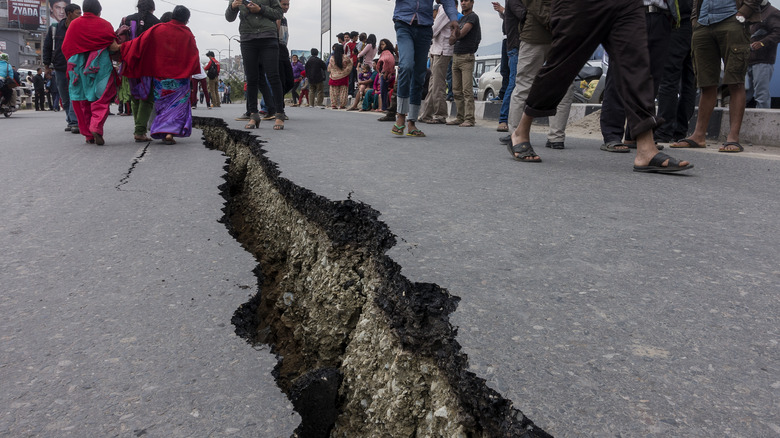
point(370, 16)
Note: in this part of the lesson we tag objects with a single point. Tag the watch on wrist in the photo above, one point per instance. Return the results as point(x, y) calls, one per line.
point(740, 18)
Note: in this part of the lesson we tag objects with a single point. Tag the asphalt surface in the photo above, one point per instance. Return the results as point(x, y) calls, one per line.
point(603, 302)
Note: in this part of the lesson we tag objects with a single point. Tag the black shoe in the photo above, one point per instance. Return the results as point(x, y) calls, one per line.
point(554, 145)
point(244, 116)
point(74, 130)
point(68, 128)
point(387, 118)
point(507, 139)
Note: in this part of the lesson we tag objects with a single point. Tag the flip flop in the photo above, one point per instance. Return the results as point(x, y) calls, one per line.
point(612, 147)
point(731, 151)
point(656, 165)
point(526, 152)
point(415, 133)
point(397, 130)
point(687, 143)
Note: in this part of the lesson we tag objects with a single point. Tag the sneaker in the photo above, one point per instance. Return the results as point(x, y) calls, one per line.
point(68, 128)
point(244, 116)
point(269, 117)
point(554, 144)
point(454, 122)
point(387, 118)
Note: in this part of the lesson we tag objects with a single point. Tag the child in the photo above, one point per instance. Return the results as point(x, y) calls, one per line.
point(304, 89)
point(365, 80)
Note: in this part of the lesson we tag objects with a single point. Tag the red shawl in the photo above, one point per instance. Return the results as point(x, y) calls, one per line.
point(166, 50)
point(87, 33)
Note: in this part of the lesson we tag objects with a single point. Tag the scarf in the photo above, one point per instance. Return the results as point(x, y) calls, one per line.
point(166, 50)
point(86, 34)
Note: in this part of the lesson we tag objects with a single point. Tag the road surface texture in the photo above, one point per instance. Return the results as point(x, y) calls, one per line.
point(602, 302)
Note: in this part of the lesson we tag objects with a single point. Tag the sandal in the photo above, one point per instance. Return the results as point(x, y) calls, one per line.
point(142, 138)
point(169, 139)
point(656, 165)
point(277, 126)
point(615, 146)
point(254, 120)
point(525, 151)
point(415, 133)
point(98, 139)
point(725, 147)
point(397, 130)
point(687, 143)
point(502, 127)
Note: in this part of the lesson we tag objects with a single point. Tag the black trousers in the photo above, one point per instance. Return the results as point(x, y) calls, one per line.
point(578, 27)
point(40, 100)
point(678, 79)
point(261, 61)
point(613, 113)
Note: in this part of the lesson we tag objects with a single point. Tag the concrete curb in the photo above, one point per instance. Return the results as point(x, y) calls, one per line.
point(759, 126)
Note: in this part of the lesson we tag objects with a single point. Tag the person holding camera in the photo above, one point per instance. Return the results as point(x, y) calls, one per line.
point(260, 51)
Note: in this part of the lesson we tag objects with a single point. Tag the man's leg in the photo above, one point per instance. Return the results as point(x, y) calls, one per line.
point(422, 42)
point(558, 122)
point(762, 76)
point(457, 89)
point(512, 56)
point(677, 60)
point(736, 112)
point(62, 84)
point(530, 58)
point(467, 69)
point(439, 81)
point(505, 70)
point(613, 115)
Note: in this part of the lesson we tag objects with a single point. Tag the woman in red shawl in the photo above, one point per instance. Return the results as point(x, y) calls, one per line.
point(166, 52)
point(91, 76)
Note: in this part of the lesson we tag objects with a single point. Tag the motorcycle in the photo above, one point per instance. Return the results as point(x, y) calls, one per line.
point(7, 108)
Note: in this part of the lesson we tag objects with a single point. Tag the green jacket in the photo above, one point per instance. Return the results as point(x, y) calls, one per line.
point(265, 21)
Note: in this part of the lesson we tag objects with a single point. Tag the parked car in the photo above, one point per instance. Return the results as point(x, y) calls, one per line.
point(489, 84)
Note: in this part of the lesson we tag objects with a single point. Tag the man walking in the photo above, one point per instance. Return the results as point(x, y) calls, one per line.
point(534, 47)
point(580, 26)
point(212, 72)
point(414, 31)
point(763, 50)
point(720, 35)
point(466, 40)
point(315, 73)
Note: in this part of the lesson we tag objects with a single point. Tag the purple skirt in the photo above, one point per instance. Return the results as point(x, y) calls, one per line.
point(172, 105)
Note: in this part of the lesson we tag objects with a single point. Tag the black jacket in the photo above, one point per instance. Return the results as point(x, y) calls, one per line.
point(766, 32)
point(315, 70)
point(52, 46)
point(38, 82)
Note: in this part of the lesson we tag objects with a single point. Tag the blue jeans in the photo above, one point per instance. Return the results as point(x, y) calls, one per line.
point(62, 85)
point(413, 45)
point(758, 78)
point(503, 117)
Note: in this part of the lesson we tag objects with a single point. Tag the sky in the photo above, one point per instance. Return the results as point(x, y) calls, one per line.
point(370, 16)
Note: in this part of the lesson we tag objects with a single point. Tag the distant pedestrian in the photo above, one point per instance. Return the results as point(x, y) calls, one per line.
point(315, 74)
point(39, 85)
point(212, 72)
point(466, 41)
point(340, 67)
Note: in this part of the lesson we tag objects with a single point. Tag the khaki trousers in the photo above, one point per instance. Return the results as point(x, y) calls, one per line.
point(436, 102)
point(463, 86)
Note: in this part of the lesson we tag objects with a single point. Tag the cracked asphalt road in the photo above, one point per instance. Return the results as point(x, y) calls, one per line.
point(602, 302)
point(117, 289)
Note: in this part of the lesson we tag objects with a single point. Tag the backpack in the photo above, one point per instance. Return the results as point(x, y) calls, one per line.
point(213, 70)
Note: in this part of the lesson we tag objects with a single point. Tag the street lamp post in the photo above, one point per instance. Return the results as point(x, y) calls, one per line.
point(230, 59)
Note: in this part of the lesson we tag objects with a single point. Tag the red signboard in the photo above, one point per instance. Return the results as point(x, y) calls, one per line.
point(27, 13)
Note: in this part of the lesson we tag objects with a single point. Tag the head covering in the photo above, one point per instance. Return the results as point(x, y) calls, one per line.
point(4, 57)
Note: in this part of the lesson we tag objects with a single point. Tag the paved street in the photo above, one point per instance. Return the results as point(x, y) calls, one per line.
point(602, 302)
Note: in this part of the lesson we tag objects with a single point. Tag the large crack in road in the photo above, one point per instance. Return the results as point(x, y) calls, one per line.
point(362, 350)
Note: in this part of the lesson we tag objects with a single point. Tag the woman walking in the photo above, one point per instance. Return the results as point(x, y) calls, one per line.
point(297, 69)
point(167, 53)
point(140, 89)
point(260, 51)
point(91, 75)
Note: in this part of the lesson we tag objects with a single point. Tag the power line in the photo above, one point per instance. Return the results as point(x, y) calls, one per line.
point(191, 9)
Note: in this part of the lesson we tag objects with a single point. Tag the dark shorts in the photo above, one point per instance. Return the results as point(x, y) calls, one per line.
point(727, 42)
